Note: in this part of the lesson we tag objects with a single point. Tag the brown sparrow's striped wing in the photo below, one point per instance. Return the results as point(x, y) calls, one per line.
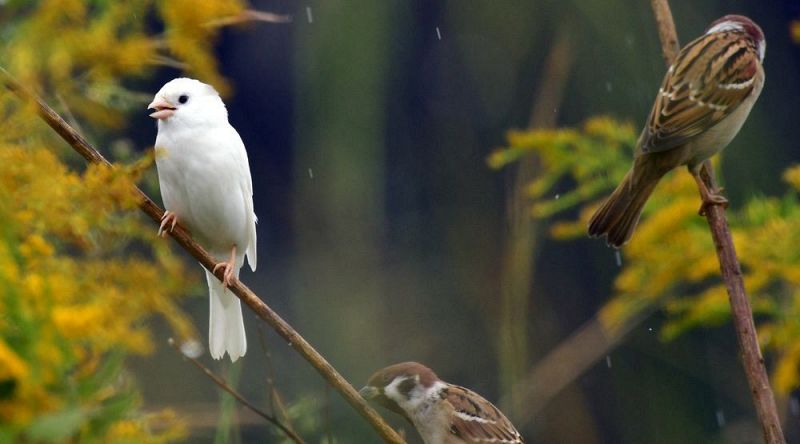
point(476, 420)
point(709, 79)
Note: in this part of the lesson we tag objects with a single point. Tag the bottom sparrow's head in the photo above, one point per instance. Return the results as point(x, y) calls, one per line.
point(442, 413)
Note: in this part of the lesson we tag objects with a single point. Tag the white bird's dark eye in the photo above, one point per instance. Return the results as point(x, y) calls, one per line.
point(183, 98)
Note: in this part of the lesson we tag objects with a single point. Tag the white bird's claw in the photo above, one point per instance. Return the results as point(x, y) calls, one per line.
point(227, 275)
point(168, 219)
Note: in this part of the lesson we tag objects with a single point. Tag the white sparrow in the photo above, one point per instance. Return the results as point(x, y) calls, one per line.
point(442, 413)
point(705, 98)
point(205, 183)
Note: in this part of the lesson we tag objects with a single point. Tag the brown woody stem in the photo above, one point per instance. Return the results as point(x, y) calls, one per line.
point(184, 239)
point(741, 313)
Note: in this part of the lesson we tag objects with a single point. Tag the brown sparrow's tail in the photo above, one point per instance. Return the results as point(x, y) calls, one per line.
point(619, 214)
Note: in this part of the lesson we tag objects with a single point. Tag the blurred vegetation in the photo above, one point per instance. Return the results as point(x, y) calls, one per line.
point(80, 270)
point(670, 262)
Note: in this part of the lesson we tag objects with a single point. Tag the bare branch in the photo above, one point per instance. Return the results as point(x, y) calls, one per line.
point(670, 47)
point(274, 396)
point(224, 386)
point(249, 15)
point(523, 230)
point(741, 312)
point(184, 239)
point(565, 363)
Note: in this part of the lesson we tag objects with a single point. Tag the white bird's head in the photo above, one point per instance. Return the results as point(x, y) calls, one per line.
point(189, 102)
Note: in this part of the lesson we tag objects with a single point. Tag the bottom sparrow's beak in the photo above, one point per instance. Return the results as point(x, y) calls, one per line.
point(369, 392)
point(163, 108)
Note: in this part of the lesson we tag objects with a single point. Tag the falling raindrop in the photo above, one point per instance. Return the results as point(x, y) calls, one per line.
point(608, 361)
point(308, 15)
point(438, 33)
point(608, 86)
point(650, 329)
point(192, 348)
point(557, 196)
point(310, 173)
point(618, 257)
point(720, 418)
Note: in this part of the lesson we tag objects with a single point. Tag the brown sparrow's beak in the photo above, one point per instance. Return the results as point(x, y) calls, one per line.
point(163, 108)
point(369, 392)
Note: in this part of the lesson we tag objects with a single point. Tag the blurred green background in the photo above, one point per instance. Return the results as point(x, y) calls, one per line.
point(384, 232)
point(385, 237)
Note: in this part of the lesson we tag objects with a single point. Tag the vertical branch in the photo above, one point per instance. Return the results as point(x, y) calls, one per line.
point(518, 261)
point(184, 239)
point(666, 30)
point(741, 312)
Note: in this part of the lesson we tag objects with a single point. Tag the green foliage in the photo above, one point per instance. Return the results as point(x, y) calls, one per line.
point(81, 271)
point(682, 275)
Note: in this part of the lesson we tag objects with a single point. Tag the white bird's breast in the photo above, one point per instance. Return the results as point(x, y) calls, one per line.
point(202, 181)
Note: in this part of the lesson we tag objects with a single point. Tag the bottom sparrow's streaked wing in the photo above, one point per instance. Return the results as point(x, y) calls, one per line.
point(478, 421)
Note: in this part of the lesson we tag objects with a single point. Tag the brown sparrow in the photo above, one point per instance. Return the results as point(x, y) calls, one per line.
point(442, 413)
point(705, 98)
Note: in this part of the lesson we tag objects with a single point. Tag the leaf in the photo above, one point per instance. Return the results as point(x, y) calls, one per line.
point(57, 427)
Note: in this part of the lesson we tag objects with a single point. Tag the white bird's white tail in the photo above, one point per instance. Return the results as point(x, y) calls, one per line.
point(225, 322)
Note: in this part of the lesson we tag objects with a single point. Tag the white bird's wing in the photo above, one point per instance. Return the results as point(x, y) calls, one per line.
point(246, 186)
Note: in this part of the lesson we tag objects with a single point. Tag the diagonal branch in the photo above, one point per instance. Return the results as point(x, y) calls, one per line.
point(182, 237)
point(224, 386)
point(741, 312)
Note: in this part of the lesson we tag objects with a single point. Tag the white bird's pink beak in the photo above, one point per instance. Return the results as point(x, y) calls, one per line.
point(163, 108)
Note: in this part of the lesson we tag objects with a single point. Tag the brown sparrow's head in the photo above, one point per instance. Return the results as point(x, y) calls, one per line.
point(442, 413)
point(393, 385)
point(740, 23)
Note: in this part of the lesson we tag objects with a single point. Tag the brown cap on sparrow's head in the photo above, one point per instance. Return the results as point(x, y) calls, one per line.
point(442, 413)
point(743, 24)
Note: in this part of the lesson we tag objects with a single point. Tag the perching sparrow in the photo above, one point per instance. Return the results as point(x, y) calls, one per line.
point(442, 413)
point(701, 105)
point(205, 184)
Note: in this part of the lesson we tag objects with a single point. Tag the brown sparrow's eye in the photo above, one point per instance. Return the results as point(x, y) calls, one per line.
point(405, 387)
point(183, 99)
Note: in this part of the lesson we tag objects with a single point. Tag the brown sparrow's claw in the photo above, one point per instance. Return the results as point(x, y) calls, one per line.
point(709, 197)
point(714, 199)
point(168, 219)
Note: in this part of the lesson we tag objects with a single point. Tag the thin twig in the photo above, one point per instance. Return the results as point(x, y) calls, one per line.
point(224, 386)
point(275, 400)
point(249, 15)
point(741, 312)
point(184, 239)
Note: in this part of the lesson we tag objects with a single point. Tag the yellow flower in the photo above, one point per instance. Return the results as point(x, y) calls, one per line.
point(11, 365)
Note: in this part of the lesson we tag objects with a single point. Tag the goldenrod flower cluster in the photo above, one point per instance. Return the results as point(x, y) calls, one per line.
point(578, 167)
point(81, 269)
